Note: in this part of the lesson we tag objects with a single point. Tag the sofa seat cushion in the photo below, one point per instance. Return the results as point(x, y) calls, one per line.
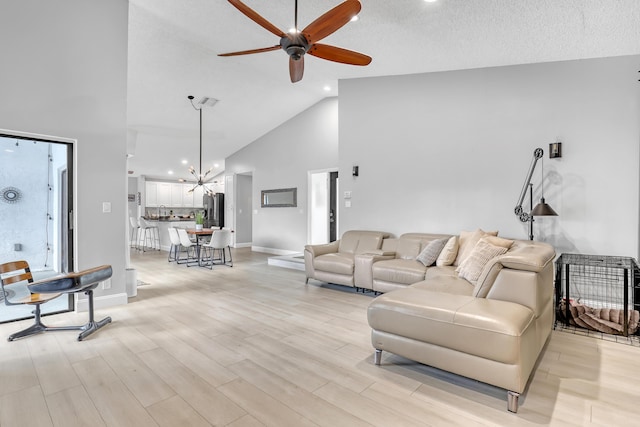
point(490, 329)
point(405, 271)
point(335, 263)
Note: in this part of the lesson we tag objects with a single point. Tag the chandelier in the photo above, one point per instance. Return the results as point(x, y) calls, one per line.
point(199, 176)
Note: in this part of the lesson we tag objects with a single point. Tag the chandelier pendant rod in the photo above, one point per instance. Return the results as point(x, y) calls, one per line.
point(200, 111)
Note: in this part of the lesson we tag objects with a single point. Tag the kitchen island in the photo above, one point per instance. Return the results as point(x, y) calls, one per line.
point(163, 224)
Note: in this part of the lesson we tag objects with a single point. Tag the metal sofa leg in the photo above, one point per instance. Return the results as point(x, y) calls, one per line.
point(512, 401)
point(377, 357)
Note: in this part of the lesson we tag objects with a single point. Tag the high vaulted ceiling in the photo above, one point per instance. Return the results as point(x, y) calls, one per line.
point(173, 48)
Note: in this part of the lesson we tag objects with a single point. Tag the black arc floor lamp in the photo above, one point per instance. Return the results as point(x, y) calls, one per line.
point(542, 208)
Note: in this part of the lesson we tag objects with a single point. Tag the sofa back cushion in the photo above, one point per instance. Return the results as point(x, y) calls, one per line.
point(358, 242)
point(408, 249)
point(411, 244)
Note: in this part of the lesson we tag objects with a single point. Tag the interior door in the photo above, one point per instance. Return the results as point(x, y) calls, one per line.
point(333, 206)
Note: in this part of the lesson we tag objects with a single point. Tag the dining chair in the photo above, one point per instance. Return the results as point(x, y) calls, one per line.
point(220, 243)
point(188, 246)
point(15, 276)
point(175, 244)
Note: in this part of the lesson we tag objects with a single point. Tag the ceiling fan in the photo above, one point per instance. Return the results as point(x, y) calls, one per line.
point(298, 43)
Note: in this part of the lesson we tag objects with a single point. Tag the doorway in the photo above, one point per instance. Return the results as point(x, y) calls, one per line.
point(36, 224)
point(323, 223)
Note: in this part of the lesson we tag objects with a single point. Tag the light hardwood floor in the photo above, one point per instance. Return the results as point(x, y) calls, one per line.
point(253, 345)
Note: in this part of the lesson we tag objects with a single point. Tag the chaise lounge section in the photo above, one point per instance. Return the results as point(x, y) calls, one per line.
point(492, 330)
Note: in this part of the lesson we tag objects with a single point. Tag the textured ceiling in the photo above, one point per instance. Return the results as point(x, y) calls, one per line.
point(173, 47)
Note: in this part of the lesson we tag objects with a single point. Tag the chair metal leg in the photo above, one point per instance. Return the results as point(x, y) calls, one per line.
point(39, 327)
point(92, 325)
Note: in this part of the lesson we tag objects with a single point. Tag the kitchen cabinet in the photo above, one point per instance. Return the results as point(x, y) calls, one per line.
point(164, 194)
point(197, 197)
point(151, 194)
point(173, 195)
point(177, 196)
point(187, 197)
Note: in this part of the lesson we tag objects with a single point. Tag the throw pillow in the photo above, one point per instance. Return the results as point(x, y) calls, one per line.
point(482, 253)
point(448, 254)
point(468, 240)
point(430, 253)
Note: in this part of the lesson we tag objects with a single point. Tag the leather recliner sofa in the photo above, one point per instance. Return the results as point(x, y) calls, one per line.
point(492, 328)
point(335, 262)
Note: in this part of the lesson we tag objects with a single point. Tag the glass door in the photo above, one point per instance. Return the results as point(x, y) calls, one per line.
point(36, 190)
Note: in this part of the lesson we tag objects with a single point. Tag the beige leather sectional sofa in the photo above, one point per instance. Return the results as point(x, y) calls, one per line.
point(487, 320)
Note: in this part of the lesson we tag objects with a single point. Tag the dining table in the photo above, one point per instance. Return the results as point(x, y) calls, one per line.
point(204, 232)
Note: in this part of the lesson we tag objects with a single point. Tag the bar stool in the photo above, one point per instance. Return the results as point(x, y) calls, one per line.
point(151, 234)
point(135, 233)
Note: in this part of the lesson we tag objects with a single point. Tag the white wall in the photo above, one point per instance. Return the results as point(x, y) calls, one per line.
point(444, 152)
point(64, 73)
point(244, 209)
point(281, 159)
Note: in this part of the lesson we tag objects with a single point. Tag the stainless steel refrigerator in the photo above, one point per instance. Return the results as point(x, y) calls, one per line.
point(214, 210)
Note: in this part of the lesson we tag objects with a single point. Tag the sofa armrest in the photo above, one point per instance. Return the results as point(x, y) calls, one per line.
point(363, 263)
point(317, 250)
point(380, 252)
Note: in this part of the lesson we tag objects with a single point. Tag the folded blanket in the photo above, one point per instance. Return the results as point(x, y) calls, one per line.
point(607, 320)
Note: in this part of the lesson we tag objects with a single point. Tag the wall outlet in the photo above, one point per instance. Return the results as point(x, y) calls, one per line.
point(106, 284)
point(347, 203)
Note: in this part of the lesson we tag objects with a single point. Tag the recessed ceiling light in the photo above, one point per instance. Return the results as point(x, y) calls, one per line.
point(170, 172)
point(215, 165)
point(184, 162)
point(327, 88)
point(8, 150)
point(430, 1)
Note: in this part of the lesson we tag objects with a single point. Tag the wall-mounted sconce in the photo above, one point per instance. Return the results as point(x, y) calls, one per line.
point(542, 208)
point(555, 150)
point(355, 171)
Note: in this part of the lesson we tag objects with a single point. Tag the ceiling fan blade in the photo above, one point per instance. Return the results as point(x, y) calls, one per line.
point(255, 17)
point(338, 54)
point(331, 21)
point(249, 52)
point(296, 69)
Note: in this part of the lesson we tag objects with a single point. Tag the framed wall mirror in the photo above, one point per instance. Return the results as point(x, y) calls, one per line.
point(280, 198)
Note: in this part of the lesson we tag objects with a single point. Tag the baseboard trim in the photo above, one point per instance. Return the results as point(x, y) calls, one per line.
point(242, 245)
point(273, 251)
point(103, 301)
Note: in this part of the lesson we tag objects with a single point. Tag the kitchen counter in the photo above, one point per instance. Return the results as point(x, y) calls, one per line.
point(163, 225)
point(167, 219)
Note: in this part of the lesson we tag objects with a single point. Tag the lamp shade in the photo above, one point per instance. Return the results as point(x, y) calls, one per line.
point(543, 209)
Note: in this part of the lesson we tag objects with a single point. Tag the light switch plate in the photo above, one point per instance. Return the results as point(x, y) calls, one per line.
point(347, 194)
point(106, 207)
